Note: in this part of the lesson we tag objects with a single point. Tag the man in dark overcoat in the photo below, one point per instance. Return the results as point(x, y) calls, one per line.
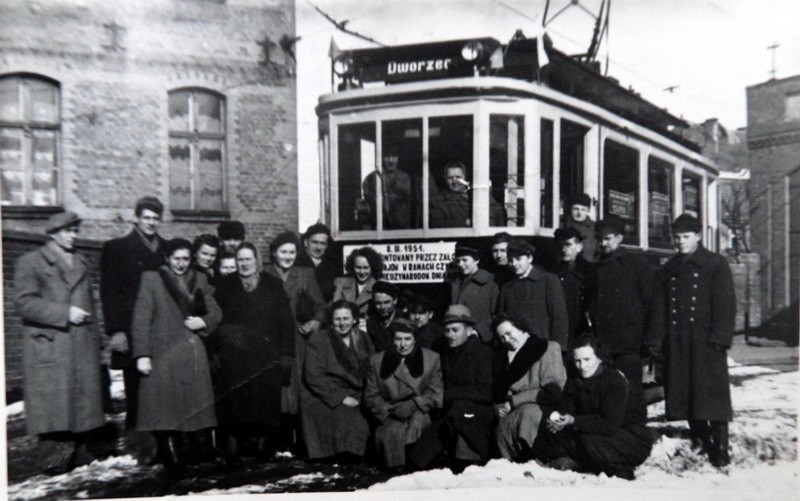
point(536, 295)
point(578, 217)
point(463, 428)
point(575, 272)
point(317, 242)
point(61, 346)
point(122, 262)
point(383, 312)
point(700, 313)
point(624, 312)
point(476, 289)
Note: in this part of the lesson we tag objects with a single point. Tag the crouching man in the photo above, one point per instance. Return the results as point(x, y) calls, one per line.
point(404, 384)
point(463, 431)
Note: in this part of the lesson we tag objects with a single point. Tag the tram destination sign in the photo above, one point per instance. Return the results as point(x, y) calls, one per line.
point(428, 61)
point(412, 262)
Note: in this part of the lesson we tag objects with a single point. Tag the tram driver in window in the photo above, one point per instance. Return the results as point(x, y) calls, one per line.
point(578, 217)
point(451, 207)
point(396, 190)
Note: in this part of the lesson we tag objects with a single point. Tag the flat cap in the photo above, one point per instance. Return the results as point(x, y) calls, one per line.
point(564, 234)
point(686, 223)
point(230, 230)
point(61, 220)
point(611, 225)
point(384, 287)
point(519, 247)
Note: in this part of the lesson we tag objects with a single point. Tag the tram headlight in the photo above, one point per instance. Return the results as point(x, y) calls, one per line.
point(472, 50)
point(342, 66)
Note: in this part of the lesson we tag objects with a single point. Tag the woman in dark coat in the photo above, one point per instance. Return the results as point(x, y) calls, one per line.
point(594, 426)
point(174, 307)
point(364, 267)
point(255, 350)
point(528, 376)
point(336, 367)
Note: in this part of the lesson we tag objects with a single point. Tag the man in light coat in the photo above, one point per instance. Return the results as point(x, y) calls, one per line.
point(61, 346)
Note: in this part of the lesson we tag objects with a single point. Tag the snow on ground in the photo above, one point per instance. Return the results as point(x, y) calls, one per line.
point(279, 486)
point(763, 445)
point(108, 470)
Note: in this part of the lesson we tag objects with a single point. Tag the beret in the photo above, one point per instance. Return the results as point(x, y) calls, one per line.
point(686, 223)
point(384, 287)
point(610, 225)
point(463, 249)
point(580, 199)
point(520, 248)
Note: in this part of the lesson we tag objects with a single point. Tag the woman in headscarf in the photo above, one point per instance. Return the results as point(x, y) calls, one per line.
point(255, 350)
point(404, 384)
point(364, 267)
point(336, 367)
point(595, 427)
point(174, 307)
point(528, 374)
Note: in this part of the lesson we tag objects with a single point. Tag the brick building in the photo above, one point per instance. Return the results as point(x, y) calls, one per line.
point(193, 101)
point(773, 136)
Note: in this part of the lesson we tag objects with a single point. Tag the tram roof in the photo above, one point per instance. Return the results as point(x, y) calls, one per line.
point(510, 70)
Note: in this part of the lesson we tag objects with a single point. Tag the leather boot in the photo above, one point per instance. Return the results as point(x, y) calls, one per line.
point(700, 435)
point(719, 455)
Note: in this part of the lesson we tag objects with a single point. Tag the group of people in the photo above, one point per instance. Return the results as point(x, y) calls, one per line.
point(525, 363)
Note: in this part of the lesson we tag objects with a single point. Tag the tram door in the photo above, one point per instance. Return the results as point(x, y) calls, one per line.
point(572, 160)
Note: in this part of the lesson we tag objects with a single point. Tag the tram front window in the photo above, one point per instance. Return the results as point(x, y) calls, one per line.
point(356, 160)
point(450, 178)
point(620, 184)
point(507, 170)
point(692, 195)
point(659, 182)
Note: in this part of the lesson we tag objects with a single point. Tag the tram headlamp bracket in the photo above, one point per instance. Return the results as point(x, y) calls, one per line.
point(343, 66)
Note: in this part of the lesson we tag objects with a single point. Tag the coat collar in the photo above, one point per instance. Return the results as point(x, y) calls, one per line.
point(699, 258)
point(71, 275)
point(481, 277)
point(535, 274)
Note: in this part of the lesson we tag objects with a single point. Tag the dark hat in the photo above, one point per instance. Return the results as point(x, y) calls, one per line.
point(581, 199)
point(149, 203)
point(564, 234)
point(390, 147)
point(464, 249)
point(458, 313)
point(501, 237)
point(384, 287)
point(417, 303)
point(608, 226)
point(403, 325)
point(230, 230)
point(316, 229)
point(519, 247)
point(61, 220)
point(686, 223)
point(286, 237)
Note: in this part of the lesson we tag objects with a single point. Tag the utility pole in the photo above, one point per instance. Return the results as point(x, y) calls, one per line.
point(773, 48)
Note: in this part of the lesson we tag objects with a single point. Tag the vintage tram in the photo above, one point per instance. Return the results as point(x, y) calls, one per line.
point(530, 126)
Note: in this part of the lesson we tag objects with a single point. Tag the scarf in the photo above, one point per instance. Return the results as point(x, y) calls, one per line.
point(183, 290)
point(250, 283)
point(355, 358)
point(391, 361)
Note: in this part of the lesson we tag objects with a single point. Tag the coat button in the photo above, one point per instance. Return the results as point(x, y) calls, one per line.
point(674, 322)
point(695, 286)
point(694, 298)
point(674, 311)
point(691, 319)
point(696, 275)
point(692, 308)
point(673, 279)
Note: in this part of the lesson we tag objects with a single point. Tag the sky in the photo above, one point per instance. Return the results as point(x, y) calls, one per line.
point(709, 50)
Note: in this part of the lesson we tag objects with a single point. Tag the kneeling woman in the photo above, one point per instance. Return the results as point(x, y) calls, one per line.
point(528, 374)
point(174, 307)
point(593, 427)
point(404, 384)
point(335, 370)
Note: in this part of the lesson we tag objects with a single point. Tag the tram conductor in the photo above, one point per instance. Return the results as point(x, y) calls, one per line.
point(700, 307)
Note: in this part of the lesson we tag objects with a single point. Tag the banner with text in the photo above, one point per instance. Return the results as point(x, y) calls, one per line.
point(412, 262)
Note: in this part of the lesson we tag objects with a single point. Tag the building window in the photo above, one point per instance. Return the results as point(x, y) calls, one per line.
point(196, 150)
point(620, 185)
point(29, 133)
point(792, 106)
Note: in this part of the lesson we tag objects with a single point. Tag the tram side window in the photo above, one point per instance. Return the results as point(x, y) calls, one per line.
point(572, 160)
point(692, 195)
point(620, 183)
point(660, 195)
point(507, 170)
point(450, 146)
point(546, 169)
point(356, 160)
point(400, 175)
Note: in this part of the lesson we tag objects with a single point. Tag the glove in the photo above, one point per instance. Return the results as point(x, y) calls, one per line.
point(718, 346)
point(404, 410)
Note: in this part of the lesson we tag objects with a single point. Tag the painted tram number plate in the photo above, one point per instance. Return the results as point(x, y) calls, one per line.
point(412, 262)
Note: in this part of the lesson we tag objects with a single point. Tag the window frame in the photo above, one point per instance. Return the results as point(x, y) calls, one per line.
point(28, 128)
point(640, 186)
point(195, 137)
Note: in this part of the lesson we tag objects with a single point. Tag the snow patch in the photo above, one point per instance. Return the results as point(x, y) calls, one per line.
point(16, 408)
